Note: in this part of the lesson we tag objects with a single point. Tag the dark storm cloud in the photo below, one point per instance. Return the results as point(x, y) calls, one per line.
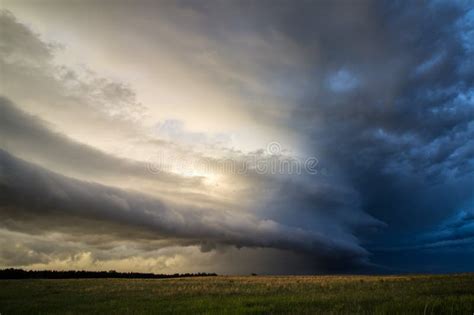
point(456, 232)
point(403, 136)
point(388, 102)
point(30, 193)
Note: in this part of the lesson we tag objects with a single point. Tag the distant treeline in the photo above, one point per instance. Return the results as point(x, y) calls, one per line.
point(73, 274)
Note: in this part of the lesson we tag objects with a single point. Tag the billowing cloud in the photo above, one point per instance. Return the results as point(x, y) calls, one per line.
point(32, 193)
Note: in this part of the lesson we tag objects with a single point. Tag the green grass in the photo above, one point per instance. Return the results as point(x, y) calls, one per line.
point(443, 294)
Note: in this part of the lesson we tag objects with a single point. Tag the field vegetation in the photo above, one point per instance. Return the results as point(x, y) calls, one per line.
point(423, 294)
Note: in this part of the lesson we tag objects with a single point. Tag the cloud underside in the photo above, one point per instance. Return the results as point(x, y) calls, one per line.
point(38, 201)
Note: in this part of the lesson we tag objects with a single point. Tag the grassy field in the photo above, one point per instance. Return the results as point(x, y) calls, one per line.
point(443, 294)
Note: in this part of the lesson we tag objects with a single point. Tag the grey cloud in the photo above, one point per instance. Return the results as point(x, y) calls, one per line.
point(29, 192)
point(70, 96)
point(56, 251)
point(18, 43)
point(29, 137)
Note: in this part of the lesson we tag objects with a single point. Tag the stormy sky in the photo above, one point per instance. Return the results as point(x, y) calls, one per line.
point(237, 136)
